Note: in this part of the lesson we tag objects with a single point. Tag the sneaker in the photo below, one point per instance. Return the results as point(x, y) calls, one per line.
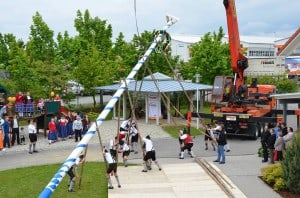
point(228, 150)
point(222, 162)
point(216, 161)
point(35, 151)
point(30, 152)
point(119, 186)
point(263, 161)
point(135, 152)
point(110, 187)
point(206, 148)
point(144, 171)
point(71, 190)
point(181, 157)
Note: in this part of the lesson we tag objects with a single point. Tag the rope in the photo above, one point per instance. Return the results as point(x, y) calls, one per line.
point(202, 121)
point(135, 16)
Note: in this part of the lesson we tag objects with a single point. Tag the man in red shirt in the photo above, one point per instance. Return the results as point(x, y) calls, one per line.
point(188, 144)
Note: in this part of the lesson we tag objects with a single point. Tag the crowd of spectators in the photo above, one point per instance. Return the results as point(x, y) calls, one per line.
point(275, 141)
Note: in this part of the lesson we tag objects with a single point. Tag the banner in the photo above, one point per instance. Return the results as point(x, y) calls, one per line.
point(154, 106)
point(292, 64)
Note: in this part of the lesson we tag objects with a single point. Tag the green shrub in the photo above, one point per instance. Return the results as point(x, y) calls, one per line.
point(260, 152)
point(280, 185)
point(271, 173)
point(291, 165)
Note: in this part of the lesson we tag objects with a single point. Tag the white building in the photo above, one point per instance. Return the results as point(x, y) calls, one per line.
point(261, 52)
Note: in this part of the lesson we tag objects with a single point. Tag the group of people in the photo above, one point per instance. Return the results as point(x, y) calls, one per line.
point(24, 104)
point(68, 127)
point(217, 137)
point(275, 141)
point(126, 142)
point(10, 132)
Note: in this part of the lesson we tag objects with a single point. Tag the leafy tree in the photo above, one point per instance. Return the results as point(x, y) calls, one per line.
point(41, 43)
point(93, 30)
point(209, 57)
point(159, 61)
point(17, 61)
point(3, 51)
point(124, 56)
point(93, 70)
point(67, 50)
point(283, 85)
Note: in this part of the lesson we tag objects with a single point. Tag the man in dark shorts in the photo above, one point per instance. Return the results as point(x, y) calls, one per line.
point(32, 136)
point(124, 149)
point(73, 173)
point(188, 144)
point(134, 137)
point(208, 137)
point(150, 153)
point(111, 168)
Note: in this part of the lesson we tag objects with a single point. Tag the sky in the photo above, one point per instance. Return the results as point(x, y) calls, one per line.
point(272, 18)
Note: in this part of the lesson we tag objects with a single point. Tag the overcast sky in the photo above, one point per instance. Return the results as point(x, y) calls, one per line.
point(275, 18)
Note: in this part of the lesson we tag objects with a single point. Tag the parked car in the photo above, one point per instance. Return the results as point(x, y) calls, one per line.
point(75, 87)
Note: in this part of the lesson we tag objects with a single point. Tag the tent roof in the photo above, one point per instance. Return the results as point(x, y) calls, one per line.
point(163, 82)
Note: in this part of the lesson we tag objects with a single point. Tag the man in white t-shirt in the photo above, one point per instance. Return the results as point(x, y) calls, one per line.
point(149, 153)
point(111, 168)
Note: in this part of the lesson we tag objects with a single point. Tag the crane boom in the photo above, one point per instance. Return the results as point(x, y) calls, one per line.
point(238, 61)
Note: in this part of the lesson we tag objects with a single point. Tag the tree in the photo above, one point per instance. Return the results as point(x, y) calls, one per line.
point(93, 30)
point(3, 51)
point(159, 61)
point(124, 56)
point(41, 44)
point(93, 70)
point(209, 58)
point(283, 85)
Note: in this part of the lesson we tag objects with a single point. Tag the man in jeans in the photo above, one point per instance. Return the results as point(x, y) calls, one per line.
point(221, 140)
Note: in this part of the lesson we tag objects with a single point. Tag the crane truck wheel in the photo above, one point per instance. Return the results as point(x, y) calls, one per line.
point(253, 131)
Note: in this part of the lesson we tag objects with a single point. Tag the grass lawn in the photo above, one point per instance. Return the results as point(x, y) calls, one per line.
point(173, 130)
point(31, 181)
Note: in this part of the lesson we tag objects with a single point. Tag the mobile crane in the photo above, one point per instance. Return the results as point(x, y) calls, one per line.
point(242, 108)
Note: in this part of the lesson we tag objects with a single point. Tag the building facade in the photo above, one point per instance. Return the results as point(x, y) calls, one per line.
point(262, 52)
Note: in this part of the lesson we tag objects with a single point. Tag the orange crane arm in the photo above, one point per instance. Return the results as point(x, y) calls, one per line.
point(238, 61)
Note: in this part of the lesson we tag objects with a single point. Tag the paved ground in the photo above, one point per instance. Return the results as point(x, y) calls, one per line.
point(176, 175)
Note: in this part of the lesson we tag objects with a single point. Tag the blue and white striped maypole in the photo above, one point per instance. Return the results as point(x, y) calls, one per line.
point(52, 185)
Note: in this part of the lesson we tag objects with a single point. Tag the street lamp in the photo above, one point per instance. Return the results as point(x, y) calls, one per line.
point(77, 94)
point(198, 77)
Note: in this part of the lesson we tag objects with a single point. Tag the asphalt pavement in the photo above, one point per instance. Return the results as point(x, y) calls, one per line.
point(242, 166)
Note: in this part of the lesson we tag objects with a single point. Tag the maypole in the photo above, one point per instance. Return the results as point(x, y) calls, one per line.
point(79, 149)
